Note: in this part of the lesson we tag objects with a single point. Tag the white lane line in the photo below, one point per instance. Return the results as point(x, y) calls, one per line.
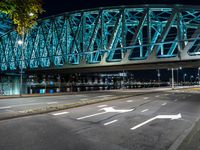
point(49, 103)
point(6, 107)
point(144, 110)
point(146, 97)
point(176, 100)
point(129, 101)
point(61, 113)
point(157, 96)
point(166, 94)
point(164, 104)
point(91, 115)
point(100, 106)
point(84, 99)
point(105, 124)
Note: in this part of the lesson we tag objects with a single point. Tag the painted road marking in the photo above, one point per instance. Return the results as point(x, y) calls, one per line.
point(172, 117)
point(129, 101)
point(61, 113)
point(91, 115)
point(157, 96)
point(111, 109)
point(164, 104)
point(100, 106)
point(6, 107)
point(49, 103)
point(146, 97)
point(144, 110)
point(166, 94)
point(176, 100)
point(105, 124)
point(106, 110)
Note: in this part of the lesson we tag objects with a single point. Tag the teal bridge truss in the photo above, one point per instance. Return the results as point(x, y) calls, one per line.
point(104, 37)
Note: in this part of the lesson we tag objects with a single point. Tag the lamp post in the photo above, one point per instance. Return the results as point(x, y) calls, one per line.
point(158, 77)
point(184, 77)
point(199, 75)
point(20, 42)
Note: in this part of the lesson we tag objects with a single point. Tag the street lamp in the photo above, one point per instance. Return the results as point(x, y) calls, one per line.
point(184, 77)
point(31, 14)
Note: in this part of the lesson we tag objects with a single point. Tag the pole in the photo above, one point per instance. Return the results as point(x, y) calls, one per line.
point(172, 78)
point(199, 75)
point(22, 59)
point(177, 76)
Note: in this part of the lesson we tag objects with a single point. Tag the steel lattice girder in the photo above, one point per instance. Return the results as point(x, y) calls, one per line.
point(106, 36)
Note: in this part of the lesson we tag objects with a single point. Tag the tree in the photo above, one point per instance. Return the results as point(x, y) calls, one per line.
point(23, 13)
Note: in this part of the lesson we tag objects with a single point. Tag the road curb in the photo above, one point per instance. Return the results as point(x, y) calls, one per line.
point(48, 109)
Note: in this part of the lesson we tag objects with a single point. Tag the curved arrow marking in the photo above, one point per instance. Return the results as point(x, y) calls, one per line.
point(172, 117)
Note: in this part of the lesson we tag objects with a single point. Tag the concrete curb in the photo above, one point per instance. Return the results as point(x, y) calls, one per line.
point(48, 109)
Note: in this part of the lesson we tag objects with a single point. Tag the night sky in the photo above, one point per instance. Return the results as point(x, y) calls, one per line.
point(54, 7)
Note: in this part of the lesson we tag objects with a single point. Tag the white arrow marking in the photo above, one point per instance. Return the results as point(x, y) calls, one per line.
point(106, 110)
point(172, 117)
point(111, 109)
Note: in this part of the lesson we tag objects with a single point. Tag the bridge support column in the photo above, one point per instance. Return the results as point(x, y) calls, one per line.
point(172, 78)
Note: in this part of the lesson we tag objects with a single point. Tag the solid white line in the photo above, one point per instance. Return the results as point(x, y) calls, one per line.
point(129, 101)
point(146, 97)
point(52, 103)
point(91, 115)
point(145, 110)
point(105, 124)
point(61, 113)
point(164, 104)
point(6, 107)
point(100, 106)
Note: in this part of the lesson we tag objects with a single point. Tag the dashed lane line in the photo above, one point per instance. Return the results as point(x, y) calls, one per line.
point(164, 104)
point(60, 113)
point(145, 110)
point(49, 103)
point(6, 107)
point(105, 124)
point(100, 106)
point(146, 97)
point(129, 101)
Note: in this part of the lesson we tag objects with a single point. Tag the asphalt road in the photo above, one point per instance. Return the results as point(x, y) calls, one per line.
point(146, 122)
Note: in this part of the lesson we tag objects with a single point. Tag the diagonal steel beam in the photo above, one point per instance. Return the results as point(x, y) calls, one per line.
point(139, 27)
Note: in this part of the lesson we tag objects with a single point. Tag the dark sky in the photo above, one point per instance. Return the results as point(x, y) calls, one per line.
point(54, 7)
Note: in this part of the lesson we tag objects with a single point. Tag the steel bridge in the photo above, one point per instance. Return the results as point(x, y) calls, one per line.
point(106, 37)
